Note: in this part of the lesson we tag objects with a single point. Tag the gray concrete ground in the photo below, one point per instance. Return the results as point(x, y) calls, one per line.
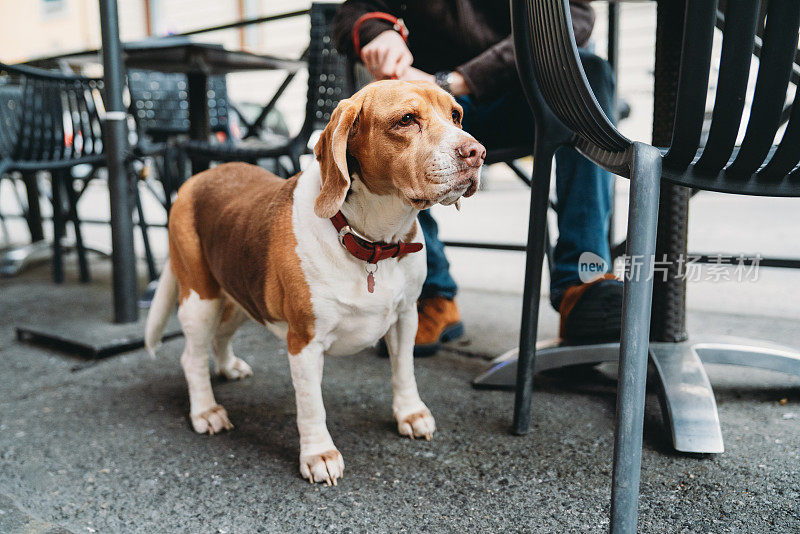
point(106, 446)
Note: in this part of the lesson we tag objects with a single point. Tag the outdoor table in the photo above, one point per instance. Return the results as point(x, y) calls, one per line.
point(198, 61)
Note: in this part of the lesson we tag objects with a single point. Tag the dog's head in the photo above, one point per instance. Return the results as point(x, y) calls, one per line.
point(399, 138)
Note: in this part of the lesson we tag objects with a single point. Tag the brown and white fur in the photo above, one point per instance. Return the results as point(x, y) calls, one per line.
point(243, 242)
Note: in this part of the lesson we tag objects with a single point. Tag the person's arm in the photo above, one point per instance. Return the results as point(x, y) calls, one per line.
point(494, 70)
point(383, 50)
point(490, 72)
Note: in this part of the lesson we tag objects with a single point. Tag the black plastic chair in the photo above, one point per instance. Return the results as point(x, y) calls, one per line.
point(53, 125)
point(568, 114)
point(51, 122)
point(328, 82)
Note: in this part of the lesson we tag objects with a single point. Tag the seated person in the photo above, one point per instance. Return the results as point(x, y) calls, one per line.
point(465, 47)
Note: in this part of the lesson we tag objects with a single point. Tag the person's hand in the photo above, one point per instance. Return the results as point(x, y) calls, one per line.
point(386, 55)
point(411, 74)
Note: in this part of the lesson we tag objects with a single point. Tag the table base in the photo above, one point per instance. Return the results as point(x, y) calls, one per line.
point(687, 399)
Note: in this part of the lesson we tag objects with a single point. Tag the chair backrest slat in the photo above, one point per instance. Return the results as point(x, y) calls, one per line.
point(83, 139)
point(22, 148)
point(41, 120)
point(775, 68)
point(60, 132)
point(787, 156)
point(690, 106)
point(10, 95)
point(74, 123)
point(55, 116)
point(741, 21)
point(93, 100)
point(562, 80)
point(329, 76)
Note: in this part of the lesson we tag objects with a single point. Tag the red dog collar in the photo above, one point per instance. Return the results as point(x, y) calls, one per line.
point(397, 24)
point(367, 250)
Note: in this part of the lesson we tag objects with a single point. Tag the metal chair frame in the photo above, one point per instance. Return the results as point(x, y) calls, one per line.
point(568, 113)
point(54, 125)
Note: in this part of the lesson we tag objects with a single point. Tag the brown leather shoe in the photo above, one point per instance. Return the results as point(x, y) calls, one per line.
point(592, 312)
point(439, 322)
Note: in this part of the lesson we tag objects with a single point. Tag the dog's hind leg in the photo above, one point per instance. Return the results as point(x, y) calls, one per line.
point(199, 313)
point(228, 364)
point(200, 319)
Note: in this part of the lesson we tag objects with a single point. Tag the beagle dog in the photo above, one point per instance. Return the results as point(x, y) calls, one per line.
point(331, 260)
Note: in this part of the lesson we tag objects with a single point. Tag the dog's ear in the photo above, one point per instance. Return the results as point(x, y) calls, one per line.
point(331, 152)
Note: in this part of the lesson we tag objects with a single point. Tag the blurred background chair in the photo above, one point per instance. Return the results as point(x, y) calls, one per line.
point(558, 92)
point(52, 123)
point(160, 108)
point(328, 82)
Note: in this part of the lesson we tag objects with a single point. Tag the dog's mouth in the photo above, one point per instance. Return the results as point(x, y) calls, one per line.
point(421, 203)
point(461, 184)
point(448, 197)
point(464, 187)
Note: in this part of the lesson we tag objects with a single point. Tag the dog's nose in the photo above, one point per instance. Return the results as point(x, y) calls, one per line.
point(472, 152)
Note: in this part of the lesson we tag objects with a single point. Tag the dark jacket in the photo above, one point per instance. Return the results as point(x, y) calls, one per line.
point(470, 36)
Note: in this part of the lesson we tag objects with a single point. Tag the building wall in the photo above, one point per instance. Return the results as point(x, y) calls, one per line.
point(36, 28)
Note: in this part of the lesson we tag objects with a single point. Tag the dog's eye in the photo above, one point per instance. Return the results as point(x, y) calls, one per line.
point(406, 119)
point(456, 116)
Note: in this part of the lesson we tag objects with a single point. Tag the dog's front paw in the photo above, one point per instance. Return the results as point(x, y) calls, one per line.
point(326, 467)
point(212, 421)
point(236, 369)
point(417, 424)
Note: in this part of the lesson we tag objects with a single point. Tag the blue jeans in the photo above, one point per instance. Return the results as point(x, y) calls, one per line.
point(583, 190)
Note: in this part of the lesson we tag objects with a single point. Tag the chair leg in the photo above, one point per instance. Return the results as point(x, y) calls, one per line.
point(58, 228)
point(148, 252)
point(171, 176)
point(33, 214)
point(637, 299)
point(72, 206)
point(295, 163)
point(537, 230)
point(3, 226)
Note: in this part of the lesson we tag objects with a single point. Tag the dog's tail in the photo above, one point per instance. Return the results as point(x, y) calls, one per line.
point(160, 309)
